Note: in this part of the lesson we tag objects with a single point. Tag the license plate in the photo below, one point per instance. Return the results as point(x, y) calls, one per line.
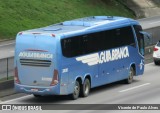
point(34, 90)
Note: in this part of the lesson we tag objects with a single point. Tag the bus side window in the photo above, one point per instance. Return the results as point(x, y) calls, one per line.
point(124, 36)
point(84, 41)
point(66, 46)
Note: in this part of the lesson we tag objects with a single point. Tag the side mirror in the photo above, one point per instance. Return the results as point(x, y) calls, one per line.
point(147, 38)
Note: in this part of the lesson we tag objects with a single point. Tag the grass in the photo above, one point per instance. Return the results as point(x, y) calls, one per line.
point(18, 15)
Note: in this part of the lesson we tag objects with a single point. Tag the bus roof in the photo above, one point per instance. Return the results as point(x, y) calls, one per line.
point(83, 25)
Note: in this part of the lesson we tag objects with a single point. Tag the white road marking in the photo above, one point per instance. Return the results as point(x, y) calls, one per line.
point(134, 87)
point(155, 22)
point(8, 101)
point(7, 44)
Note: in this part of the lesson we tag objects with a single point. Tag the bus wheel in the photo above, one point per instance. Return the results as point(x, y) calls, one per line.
point(129, 80)
point(76, 91)
point(37, 96)
point(85, 88)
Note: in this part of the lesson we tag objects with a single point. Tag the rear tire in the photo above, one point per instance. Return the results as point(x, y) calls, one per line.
point(85, 89)
point(156, 63)
point(76, 91)
point(37, 96)
point(129, 80)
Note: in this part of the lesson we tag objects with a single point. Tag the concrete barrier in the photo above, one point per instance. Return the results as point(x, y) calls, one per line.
point(7, 88)
point(155, 33)
point(6, 85)
point(7, 67)
point(149, 50)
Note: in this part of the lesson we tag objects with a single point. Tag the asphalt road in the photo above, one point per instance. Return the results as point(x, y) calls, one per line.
point(150, 22)
point(144, 90)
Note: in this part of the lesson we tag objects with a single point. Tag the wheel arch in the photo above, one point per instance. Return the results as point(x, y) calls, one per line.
point(79, 79)
point(133, 65)
point(89, 77)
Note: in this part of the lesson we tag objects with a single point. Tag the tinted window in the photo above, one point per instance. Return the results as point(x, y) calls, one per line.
point(138, 28)
point(99, 41)
point(124, 36)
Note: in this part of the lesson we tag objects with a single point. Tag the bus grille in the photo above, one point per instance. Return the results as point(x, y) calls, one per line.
point(33, 62)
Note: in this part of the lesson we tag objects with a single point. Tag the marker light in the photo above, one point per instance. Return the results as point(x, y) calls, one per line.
point(20, 33)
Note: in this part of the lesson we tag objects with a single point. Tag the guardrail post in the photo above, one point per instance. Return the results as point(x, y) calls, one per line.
point(7, 68)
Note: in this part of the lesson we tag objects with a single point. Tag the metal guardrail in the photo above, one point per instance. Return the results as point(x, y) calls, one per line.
point(6, 68)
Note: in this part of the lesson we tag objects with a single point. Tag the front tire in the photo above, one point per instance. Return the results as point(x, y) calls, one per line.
point(76, 91)
point(85, 89)
point(129, 80)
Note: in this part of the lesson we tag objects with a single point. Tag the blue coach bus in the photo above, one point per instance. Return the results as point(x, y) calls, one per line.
point(74, 56)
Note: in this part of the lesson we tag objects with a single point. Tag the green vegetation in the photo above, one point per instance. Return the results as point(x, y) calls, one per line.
point(18, 15)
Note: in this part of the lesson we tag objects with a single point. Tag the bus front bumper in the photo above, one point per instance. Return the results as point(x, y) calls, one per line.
point(37, 90)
